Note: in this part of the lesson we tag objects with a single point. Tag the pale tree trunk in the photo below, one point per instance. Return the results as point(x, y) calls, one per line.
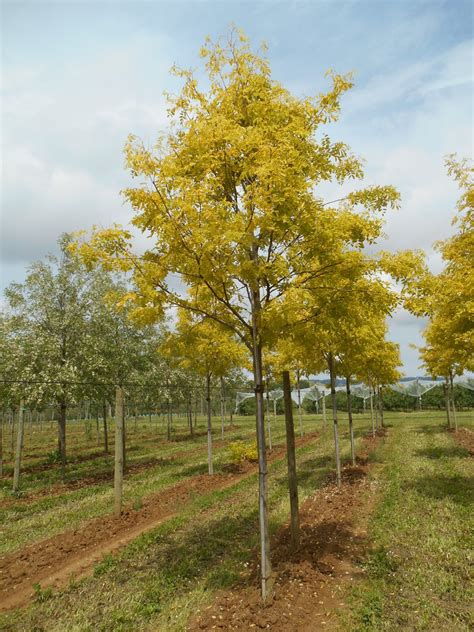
point(451, 381)
point(349, 414)
point(209, 425)
point(291, 458)
point(372, 413)
point(324, 413)
point(381, 406)
point(62, 434)
point(19, 447)
point(269, 428)
point(332, 373)
point(222, 407)
point(119, 451)
point(376, 409)
point(446, 401)
point(300, 414)
point(12, 432)
point(266, 568)
point(106, 432)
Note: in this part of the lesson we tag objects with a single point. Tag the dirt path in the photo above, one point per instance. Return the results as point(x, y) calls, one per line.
point(309, 585)
point(54, 561)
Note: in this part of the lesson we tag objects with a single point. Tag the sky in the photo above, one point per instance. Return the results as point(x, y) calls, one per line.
point(78, 77)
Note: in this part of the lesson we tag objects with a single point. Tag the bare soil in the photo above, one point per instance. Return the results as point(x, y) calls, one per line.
point(72, 554)
point(465, 439)
point(311, 583)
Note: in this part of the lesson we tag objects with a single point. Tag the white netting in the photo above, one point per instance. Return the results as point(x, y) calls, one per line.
point(414, 388)
point(465, 382)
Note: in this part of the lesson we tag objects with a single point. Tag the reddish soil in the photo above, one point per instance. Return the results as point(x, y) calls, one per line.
point(73, 554)
point(465, 439)
point(310, 584)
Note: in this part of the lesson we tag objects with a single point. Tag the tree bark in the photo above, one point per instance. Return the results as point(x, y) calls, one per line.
point(291, 458)
point(332, 373)
point(349, 414)
point(119, 451)
point(62, 435)
point(209, 425)
point(372, 413)
point(451, 382)
point(222, 406)
point(381, 406)
point(446, 401)
point(19, 447)
point(266, 567)
point(269, 428)
point(324, 413)
point(300, 413)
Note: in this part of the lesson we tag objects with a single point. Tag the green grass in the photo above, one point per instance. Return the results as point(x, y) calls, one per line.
point(416, 570)
point(421, 533)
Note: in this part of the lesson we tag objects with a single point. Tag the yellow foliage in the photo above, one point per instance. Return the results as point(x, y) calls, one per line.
point(240, 451)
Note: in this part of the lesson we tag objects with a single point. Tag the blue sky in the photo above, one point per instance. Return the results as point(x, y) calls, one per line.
point(77, 77)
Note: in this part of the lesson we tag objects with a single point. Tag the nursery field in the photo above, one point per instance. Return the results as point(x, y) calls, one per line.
point(388, 550)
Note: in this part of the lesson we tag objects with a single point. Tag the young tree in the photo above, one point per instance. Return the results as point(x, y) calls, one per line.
point(230, 208)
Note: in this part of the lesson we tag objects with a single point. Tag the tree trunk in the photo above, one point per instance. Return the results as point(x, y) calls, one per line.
point(62, 435)
point(324, 413)
point(291, 458)
point(19, 448)
point(349, 414)
point(300, 414)
point(451, 382)
point(124, 434)
point(376, 410)
point(269, 428)
point(12, 432)
point(266, 568)
point(372, 413)
point(222, 407)
point(106, 432)
point(332, 373)
point(381, 406)
point(119, 451)
point(446, 401)
point(209, 425)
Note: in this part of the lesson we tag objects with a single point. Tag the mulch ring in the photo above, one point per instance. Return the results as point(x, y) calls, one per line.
point(465, 439)
point(310, 584)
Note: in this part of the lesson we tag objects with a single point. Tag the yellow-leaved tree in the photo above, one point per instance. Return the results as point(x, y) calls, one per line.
point(227, 201)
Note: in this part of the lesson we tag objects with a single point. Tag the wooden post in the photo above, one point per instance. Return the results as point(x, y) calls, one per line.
point(19, 447)
point(291, 458)
point(332, 372)
point(118, 474)
point(349, 413)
